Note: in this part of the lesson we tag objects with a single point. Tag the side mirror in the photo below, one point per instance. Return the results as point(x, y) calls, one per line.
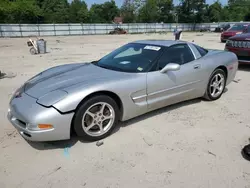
point(170, 67)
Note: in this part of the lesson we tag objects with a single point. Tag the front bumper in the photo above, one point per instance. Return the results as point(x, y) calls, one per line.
point(25, 115)
point(224, 38)
point(243, 54)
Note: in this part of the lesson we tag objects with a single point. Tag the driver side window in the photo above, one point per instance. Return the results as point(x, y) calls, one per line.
point(179, 53)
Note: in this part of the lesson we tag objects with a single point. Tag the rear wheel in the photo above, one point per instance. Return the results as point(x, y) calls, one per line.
point(96, 118)
point(216, 85)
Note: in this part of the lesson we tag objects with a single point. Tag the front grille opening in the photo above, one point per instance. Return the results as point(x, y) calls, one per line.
point(21, 123)
point(26, 134)
point(246, 58)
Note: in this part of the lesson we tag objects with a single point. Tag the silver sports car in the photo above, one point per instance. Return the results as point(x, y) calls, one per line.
point(141, 76)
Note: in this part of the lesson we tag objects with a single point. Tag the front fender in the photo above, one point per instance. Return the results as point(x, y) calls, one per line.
point(131, 91)
point(78, 92)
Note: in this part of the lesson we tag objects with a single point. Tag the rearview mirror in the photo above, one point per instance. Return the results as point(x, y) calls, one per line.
point(170, 67)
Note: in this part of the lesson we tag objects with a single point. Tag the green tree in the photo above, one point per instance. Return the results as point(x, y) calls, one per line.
point(238, 9)
point(193, 11)
point(128, 11)
point(19, 11)
point(95, 14)
point(56, 11)
point(215, 12)
point(110, 10)
point(103, 13)
point(165, 8)
point(148, 12)
point(78, 11)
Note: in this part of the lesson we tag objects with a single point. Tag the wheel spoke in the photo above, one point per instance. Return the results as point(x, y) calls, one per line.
point(102, 108)
point(90, 126)
point(91, 114)
point(214, 90)
point(101, 127)
point(108, 117)
point(217, 78)
point(221, 80)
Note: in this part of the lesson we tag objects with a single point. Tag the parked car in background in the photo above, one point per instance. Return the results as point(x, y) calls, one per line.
point(205, 29)
point(118, 31)
point(235, 29)
point(141, 76)
point(240, 45)
point(222, 27)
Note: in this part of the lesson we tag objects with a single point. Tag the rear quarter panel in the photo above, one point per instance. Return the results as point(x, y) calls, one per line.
point(220, 58)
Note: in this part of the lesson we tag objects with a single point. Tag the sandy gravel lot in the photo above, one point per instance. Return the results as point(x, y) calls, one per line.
point(194, 144)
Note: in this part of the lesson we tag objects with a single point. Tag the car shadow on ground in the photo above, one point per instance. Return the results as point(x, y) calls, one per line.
point(244, 67)
point(74, 139)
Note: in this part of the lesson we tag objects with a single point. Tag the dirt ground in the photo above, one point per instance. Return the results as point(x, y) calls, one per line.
point(194, 144)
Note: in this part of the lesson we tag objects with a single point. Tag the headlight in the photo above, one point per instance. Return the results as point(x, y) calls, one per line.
point(52, 97)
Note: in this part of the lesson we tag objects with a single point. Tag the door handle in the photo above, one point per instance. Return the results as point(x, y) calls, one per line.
point(197, 66)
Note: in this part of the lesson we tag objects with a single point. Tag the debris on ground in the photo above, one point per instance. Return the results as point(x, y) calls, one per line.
point(237, 81)
point(209, 152)
point(7, 75)
point(2, 75)
point(149, 144)
point(11, 133)
point(55, 170)
point(99, 143)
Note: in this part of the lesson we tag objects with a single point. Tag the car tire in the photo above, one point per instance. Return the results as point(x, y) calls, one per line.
point(90, 114)
point(217, 81)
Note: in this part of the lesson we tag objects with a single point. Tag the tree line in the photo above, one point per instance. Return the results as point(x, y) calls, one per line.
point(132, 11)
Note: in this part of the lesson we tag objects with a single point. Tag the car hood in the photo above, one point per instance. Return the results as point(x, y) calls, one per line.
point(231, 33)
point(63, 76)
point(243, 36)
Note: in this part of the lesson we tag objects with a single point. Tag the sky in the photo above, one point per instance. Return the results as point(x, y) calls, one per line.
point(119, 2)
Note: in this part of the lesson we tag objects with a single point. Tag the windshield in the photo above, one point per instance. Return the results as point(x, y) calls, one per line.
point(238, 27)
point(131, 57)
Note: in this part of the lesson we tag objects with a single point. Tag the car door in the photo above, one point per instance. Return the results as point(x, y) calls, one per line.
point(174, 86)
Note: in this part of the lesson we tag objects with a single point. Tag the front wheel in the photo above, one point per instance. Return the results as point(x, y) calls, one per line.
point(96, 118)
point(216, 85)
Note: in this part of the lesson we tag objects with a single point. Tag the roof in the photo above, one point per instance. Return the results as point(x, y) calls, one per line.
point(160, 42)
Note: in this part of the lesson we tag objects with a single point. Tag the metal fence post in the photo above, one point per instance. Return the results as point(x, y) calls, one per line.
point(69, 28)
point(54, 30)
point(82, 29)
point(20, 29)
point(1, 31)
point(38, 30)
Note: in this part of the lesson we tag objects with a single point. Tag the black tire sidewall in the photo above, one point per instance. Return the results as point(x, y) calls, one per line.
point(77, 120)
point(217, 71)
